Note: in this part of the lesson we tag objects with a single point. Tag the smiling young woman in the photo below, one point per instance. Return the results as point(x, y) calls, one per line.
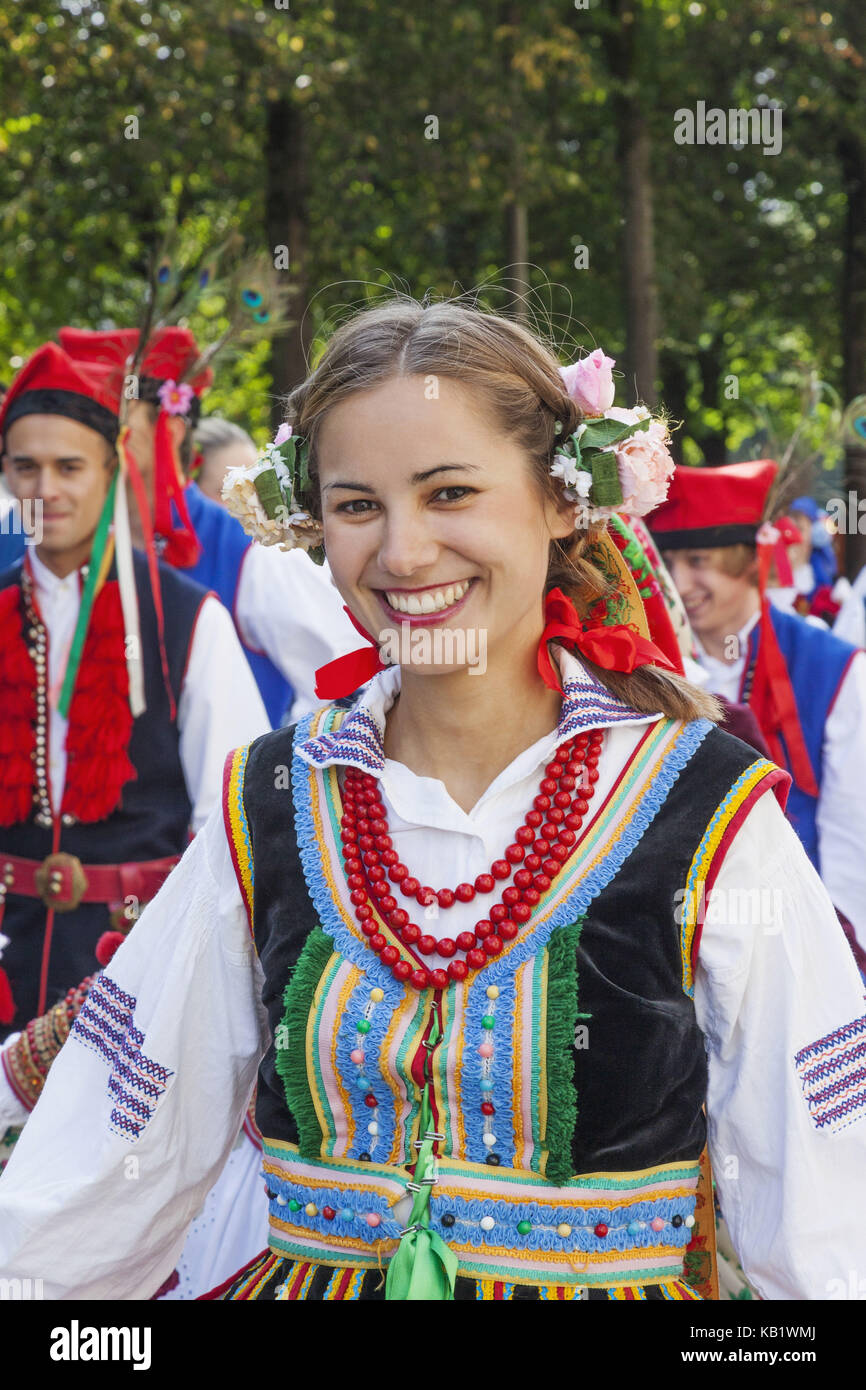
point(455, 921)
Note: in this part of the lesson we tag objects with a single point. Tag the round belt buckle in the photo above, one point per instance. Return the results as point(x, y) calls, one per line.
point(61, 882)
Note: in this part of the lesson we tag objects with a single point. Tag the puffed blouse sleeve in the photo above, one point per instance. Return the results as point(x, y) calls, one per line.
point(781, 1004)
point(145, 1100)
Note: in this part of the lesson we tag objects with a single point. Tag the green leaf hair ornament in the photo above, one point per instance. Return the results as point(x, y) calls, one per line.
point(268, 496)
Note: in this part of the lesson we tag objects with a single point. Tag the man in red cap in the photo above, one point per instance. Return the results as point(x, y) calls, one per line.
point(806, 687)
point(288, 614)
point(112, 741)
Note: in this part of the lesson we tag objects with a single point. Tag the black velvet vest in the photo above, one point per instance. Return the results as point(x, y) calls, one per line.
point(151, 821)
point(639, 1071)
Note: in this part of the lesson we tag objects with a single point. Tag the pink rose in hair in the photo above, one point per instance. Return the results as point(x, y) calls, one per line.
point(645, 469)
point(589, 383)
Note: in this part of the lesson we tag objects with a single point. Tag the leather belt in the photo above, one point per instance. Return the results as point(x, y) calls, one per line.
point(62, 881)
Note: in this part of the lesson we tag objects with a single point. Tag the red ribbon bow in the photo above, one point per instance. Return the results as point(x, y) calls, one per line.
point(612, 647)
point(346, 673)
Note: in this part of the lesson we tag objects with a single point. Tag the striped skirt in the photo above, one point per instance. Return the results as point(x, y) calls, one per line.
point(273, 1278)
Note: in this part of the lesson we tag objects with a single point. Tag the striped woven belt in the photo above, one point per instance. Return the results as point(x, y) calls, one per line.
point(602, 1229)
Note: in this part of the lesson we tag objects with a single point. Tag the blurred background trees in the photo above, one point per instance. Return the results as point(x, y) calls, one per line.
point(526, 152)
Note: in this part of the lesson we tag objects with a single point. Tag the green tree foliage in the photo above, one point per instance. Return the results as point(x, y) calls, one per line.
point(421, 124)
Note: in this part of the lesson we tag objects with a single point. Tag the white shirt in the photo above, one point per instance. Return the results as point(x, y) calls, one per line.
point(219, 707)
point(792, 1194)
point(841, 813)
point(290, 609)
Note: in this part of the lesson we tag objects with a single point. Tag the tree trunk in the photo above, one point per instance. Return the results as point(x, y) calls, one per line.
point(517, 255)
point(675, 386)
point(286, 186)
point(516, 214)
point(635, 157)
point(852, 157)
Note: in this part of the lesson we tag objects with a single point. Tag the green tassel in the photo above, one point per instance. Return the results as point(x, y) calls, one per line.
point(291, 1057)
point(562, 1016)
point(606, 488)
point(270, 493)
point(88, 598)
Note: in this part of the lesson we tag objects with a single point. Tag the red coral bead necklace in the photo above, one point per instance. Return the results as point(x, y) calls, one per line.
point(542, 846)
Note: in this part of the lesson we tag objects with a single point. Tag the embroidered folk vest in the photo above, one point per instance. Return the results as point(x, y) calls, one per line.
point(598, 1072)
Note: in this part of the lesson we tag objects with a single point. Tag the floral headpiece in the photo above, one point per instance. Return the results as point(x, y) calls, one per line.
point(616, 460)
point(265, 496)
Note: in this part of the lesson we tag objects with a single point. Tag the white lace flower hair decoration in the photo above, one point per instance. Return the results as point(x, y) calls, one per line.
point(616, 460)
point(264, 495)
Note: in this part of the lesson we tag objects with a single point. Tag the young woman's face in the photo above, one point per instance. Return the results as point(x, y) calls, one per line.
point(433, 520)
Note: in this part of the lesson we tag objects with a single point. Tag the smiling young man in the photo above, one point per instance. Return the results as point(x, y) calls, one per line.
point(806, 687)
point(95, 805)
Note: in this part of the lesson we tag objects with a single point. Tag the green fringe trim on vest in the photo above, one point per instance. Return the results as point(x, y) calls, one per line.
point(562, 1017)
point(291, 1057)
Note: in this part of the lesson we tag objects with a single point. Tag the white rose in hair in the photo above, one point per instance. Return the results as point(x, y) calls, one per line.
point(565, 469)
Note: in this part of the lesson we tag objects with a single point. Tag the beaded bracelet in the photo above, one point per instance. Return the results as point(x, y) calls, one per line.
point(22, 1075)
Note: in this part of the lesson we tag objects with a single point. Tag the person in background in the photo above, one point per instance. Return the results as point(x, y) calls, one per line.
point(287, 612)
point(806, 687)
point(818, 590)
point(220, 445)
point(96, 800)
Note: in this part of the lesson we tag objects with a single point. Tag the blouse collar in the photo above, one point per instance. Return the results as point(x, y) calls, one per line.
point(359, 742)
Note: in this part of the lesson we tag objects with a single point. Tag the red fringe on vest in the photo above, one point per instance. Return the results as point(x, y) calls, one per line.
point(100, 720)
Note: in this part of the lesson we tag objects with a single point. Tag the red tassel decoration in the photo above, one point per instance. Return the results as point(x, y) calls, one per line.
point(100, 721)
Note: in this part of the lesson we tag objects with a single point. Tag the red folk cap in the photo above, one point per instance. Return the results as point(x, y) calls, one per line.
point(53, 383)
point(714, 506)
point(170, 353)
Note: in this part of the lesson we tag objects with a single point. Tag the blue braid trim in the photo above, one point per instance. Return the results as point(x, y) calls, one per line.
point(349, 1038)
point(468, 1213)
point(578, 901)
point(340, 1199)
point(501, 1068)
point(353, 948)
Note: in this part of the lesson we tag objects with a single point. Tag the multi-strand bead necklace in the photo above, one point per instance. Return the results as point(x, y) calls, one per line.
point(542, 845)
